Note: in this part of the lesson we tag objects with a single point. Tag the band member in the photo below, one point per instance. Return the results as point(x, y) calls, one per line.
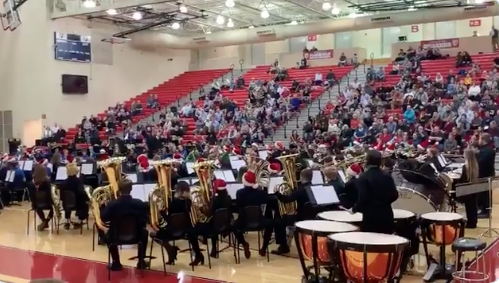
point(180, 204)
point(115, 211)
point(304, 211)
point(15, 184)
point(377, 192)
point(41, 183)
point(348, 194)
point(470, 173)
point(486, 167)
point(75, 185)
point(251, 195)
point(433, 158)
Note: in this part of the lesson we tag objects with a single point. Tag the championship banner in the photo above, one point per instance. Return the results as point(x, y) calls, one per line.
point(441, 43)
point(319, 54)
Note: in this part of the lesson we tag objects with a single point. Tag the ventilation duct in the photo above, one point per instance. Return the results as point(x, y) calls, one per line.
point(265, 32)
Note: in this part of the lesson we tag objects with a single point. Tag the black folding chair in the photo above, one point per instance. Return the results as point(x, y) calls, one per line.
point(220, 226)
point(40, 203)
point(253, 223)
point(123, 232)
point(178, 227)
point(69, 204)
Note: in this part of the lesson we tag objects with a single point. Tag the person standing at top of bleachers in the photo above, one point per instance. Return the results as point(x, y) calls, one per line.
point(494, 34)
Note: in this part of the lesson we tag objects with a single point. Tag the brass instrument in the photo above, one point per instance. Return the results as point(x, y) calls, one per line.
point(98, 198)
point(55, 193)
point(289, 165)
point(161, 195)
point(260, 167)
point(347, 162)
point(112, 168)
point(201, 194)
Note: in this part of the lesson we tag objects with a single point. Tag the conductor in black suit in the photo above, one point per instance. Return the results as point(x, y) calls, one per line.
point(376, 193)
point(486, 168)
point(116, 211)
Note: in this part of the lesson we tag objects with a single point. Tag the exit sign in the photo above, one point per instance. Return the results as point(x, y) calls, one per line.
point(475, 23)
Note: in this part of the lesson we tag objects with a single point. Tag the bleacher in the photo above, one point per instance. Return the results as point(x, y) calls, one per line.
point(167, 92)
point(239, 96)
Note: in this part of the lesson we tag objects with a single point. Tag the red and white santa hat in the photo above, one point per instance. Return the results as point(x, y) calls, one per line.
point(423, 145)
point(219, 185)
point(249, 179)
point(70, 158)
point(390, 147)
point(275, 168)
point(354, 170)
point(279, 145)
point(269, 147)
point(102, 151)
point(178, 157)
point(227, 148)
point(237, 151)
point(255, 145)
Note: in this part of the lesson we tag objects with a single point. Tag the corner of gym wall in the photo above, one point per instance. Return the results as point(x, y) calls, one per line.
point(31, 78)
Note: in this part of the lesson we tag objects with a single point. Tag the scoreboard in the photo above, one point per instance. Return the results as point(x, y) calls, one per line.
point(72, 47)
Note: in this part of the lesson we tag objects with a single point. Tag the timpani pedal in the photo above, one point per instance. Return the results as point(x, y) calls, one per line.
point(369, 257)
point(440, 229)
point(312, 243)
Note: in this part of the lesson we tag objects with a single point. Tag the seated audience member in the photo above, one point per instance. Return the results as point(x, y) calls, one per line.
point(152, 101)
point(136, 108)
point(240, 82)
point(401, 56)
point(380, 74)
point(318, 79)
point(474, 90)
point(410, 115)
point(41, 184)
point(330, 78)
point(343, 60)
point(313, 49)
point(395, 68)
point(303, 63)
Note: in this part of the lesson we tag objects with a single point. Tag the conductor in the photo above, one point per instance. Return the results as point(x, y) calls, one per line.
point(376, 193)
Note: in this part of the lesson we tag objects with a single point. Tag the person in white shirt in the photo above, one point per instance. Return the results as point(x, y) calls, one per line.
point(474, 90)
point(186, 109)
point(55, 128)
point(355, 84)
point(365, 99)
point(318, 79)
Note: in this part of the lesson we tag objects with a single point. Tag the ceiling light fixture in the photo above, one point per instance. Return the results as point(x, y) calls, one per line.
point(479, 1)
point(175, 25)
point(230, 23)
point(137, 16)
point(220, 20)
point(112, 12)
point(353, 15)
point(251, 26)
point(335, 10)
point(265, 14)
point(411, 8)
point(293, 23)
point(326, 6)
point(208, 31)
point(182, 9)
point(89, 3)
point(230, 3)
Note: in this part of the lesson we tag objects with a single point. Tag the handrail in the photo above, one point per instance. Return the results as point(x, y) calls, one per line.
point(241, 62)
point(297, 126)
point(372, 59)
point(285, 134)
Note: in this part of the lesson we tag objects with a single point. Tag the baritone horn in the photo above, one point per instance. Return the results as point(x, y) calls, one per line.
point(99, 198)
point(55, 193)
point(201, 194)
point(160, 196)
point(291, 183)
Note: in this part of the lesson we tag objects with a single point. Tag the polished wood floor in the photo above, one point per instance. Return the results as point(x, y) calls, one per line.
point(67, 250)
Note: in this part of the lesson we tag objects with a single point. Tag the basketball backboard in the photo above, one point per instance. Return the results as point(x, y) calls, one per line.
point(10, 17)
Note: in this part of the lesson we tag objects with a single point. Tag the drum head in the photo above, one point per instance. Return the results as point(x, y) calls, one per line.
point(399, 214)
point(325, 227)
point(341, 216)
point(442, 216)
point(412, 200)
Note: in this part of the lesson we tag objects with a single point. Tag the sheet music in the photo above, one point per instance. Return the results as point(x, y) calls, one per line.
point(12, 176)
point(237, 164)
point(317, 177)
point(441, 160)
point(138, 192)
point(219, 174)
point(87, 168)
point(455, 165)
point(132, 177)
point(21, 164)
point(28, 165)
point(324, 194)
point(189, 166)
point(274, 181)
point(234, 157)
point(263, 154)
point(229, 176)
point(79, 171)
point(194, 180)
point(310, 162)
point(233, 188)
point(147, 189)
point(342, 175)
point(7, 176)
point(50, 166)
point(62, 173)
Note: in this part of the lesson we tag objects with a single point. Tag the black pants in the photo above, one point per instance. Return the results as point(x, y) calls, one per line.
point(165, 236)
point(280, 225)
point(240, 227)
point(470, 204)
point(81, 211)
point(113, 248)
point(41, 214)
point(483, 201)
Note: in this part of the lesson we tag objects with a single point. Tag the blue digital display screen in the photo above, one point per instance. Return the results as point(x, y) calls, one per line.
point(72, 47)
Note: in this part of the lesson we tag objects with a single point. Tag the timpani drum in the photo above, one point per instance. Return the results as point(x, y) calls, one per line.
point(311, 240)
point(368, 257)
point(442, 228)
point(341, 216)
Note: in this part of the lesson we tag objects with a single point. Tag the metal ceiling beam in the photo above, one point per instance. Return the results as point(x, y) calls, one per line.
point(113, 4)
point(327, 15)
point(259, 11)
point(208, 11)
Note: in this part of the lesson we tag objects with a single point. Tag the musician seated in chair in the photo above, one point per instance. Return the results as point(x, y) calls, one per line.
point(75, 185)
point(41, 183)
point(469, 174)
point(125, 206)
point(181, 203)
point(303, 212)
point(377, 192)
point(251, 195)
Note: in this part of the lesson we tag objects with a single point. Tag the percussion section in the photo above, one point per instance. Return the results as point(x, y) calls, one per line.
point(312, 233)
point(341, 216)
point(369, 257)
point(442, 228)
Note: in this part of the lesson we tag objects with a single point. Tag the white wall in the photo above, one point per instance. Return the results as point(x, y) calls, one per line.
point(30, 77)
point(376, 41)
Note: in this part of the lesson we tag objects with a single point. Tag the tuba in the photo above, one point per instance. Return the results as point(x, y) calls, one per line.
point(99, 198)
point(260, 167)
point(289, 165)
point(55, 193)
point(161, 195)
point(201, 194)
point(112, 169)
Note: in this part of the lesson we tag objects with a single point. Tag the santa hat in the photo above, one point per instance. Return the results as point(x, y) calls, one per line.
point(274, 168)
point(144, 165)
point(102, 151)
point(43, 162)
point(391, 147)
point(219, 185)
point(279, 145)
point(177, 157)
point(227, 148)
point(237, 151)
point(141, 158)
point(249, 179)
point(423, 145)
point(255, 145)
point(269, 147)
point(354, 170)
point(70, 158)
point(201, 159)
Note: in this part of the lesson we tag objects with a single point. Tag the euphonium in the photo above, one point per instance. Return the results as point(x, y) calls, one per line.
point(160, 196)
point(56, 199)
point(201, 194)
point(98, 198)
point(289, 165)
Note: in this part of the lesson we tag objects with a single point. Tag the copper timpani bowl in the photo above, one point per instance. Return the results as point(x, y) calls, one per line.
point(368, 257)
point(442, 228)
point(314, 232)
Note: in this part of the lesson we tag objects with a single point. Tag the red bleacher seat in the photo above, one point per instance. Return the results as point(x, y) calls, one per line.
point(167, 92)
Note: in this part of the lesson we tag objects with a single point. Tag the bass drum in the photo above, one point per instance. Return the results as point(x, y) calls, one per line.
point(419, 198)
